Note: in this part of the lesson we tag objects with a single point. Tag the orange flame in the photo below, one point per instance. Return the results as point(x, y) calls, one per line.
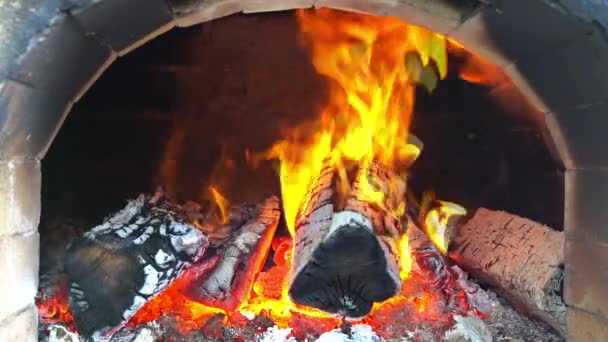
point(371, 99)
point(221, 202)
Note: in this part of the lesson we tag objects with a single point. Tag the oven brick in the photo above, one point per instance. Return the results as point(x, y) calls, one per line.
point(20, 183)
point(585, 327)
point(126, 25)
point(29, 120)
point(64, 60)
point(586, 195)
point(22, 327)
point(586, 277)
point(572, 75)
point(583, 134)
point(192, 12)
point(472, 33)
point(19, 259)
point(253, 6)
point(514, 26)
point(438, 16)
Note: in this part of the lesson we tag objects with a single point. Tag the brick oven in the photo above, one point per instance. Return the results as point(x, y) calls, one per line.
point(554, 52)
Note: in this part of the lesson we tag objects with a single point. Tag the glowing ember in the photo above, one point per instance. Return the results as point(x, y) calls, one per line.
point(53, 307)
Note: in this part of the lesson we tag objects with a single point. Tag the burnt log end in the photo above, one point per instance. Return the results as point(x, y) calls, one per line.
point(347, 273)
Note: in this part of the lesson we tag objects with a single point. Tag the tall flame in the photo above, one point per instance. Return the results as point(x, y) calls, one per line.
point(371, 98)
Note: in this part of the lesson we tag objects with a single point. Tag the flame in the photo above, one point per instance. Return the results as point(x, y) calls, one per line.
point(366, 119)
point(370, 103)
point(221, 202)
point(436, 219)
point(270, 291)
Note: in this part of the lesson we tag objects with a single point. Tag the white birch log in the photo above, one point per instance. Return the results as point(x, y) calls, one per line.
point(242, 258)
point(521, 259)
point(345, 260)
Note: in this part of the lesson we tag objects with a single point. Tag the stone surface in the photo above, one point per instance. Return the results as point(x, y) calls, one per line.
point(436, 15)
point(19, 269)
point(198, 11)
point(571, 75)
point(585, 327)
point(125, 25)
point(588, 10)
point(473, 35)
point(586, 195)
point(583, 131)
point(20, 23)
point(62, 59)
point(252, 6)
point(23, 327)
point(29, 119)
point(585, 281)
point(19, 196)
point(515, 28)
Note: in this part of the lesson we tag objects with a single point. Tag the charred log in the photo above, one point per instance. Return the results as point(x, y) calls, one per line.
point(242, 258)
point(345, 261)
point(131, 257)
point(521, 259)
point(428, 261)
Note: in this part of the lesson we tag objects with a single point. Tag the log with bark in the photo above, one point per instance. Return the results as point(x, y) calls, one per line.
point(242, 257)
point(345, 259)
point(116, 267)
point(521, 259)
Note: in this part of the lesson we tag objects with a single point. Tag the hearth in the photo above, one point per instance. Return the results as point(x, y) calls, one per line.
point(295, 188)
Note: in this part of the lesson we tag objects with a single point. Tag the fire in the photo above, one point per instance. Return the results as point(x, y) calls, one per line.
point(366, 119)
point(370, 103)
point(270, 291)
point(436, 219)
point(221, 202)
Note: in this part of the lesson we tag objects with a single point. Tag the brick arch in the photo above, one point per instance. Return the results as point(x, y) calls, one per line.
point(52, 51)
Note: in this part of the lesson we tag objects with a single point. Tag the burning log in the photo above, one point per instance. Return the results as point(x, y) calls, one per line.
point(523, 260)
point(345, 261)
point(428, 261)
point(116, 267)
point(242, 258)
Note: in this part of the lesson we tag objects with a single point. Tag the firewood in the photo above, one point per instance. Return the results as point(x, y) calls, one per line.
point(116, 267)
point(346, 260)
point(521, 259)
point(242, 258)
point(428, 261)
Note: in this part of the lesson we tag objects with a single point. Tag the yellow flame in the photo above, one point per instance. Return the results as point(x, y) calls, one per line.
point(436, 223)
point(370, 103)
point(221, 202)
point(405, 257)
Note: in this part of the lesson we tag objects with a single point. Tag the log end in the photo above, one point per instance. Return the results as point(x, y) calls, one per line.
point(347, 273)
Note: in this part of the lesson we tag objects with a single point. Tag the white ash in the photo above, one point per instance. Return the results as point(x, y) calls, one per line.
point(275, 334)
point(358, 333)
point(469, 329)
point(503, 322)
point(58, 333)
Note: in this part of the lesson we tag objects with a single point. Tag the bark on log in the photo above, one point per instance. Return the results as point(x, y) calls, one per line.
point(116, 267)
point(242, 258)
point(345, 261)
point(523, 260)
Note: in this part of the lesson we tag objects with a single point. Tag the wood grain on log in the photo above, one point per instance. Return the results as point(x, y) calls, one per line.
point(242, 258)
point(523, 260)
point(116, 267)
point(345, 261)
